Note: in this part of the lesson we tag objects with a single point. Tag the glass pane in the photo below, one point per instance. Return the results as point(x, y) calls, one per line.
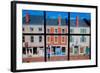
point(56, 22)
point(80, 23)
point(33, 49)
point(33, 21)
point(80, 50)
point(57, 47)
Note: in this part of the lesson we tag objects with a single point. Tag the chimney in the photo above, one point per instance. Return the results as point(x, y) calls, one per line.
point(59, 20)
point(27, 18)
point(77, 21)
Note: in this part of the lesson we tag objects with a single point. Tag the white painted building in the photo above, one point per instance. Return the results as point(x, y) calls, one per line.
point(33, 28)
point(79, 30)
point(79, 44)
point(33, 45)
point(36, 44)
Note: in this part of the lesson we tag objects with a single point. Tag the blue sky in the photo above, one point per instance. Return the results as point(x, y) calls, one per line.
point(52, 14)
point(55, 15)
point(32, 12)
point(80, 15)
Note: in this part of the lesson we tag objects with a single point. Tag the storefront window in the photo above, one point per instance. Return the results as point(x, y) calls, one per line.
point(35, 50)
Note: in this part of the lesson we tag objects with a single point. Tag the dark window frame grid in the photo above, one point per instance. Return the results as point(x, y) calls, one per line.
point(68, 34)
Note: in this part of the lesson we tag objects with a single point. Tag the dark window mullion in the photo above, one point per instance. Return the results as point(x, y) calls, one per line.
point(68, 35)
point(45, 36)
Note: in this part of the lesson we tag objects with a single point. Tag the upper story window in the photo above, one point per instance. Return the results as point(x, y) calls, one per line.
point(83, 39)
point(48, 30)
point(32, 38)
point(40, 38)
point(71, 39)
point(40, 29)
point(71, 30)
point(83, 31)
point(31, 29)
point(23, 38)
point(56, 31)
point(63, 38)
point(48, 39)
point(56, 38)
point(63, 30)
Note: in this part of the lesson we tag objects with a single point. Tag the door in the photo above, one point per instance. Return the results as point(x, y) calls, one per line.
point(76, 50)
